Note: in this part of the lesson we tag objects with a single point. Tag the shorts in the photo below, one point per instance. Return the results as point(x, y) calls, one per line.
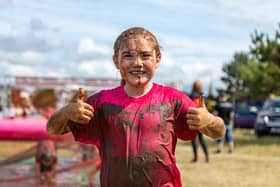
point(228, 137)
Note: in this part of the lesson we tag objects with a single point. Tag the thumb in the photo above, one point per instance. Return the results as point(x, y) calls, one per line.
point(81, 94)
point(202, 101)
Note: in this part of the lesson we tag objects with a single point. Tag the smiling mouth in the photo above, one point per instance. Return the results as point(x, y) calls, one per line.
point(137, 72)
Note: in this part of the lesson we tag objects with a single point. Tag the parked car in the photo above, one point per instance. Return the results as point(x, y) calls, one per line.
point(245, 113)
point(268, 118)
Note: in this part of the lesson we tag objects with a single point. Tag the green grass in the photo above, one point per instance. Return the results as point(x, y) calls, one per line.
point(247, 143)
point(254, 163)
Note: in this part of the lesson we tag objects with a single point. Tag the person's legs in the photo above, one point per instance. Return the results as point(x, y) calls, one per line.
point(229, 138)
point(220, 145)
point(204, 146)
point(194, 146)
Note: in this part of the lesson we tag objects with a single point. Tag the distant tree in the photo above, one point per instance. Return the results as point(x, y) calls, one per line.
point(264, 48)
point(260, 79)
point(210, 91)
point(232, 72)
point(262, 75)
point(211, 99)
point(257, 74)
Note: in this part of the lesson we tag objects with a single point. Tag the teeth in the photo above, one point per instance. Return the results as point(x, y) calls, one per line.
point(137, 72)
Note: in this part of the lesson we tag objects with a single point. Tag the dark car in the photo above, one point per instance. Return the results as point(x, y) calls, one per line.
point(245, 113)
point(268, 119)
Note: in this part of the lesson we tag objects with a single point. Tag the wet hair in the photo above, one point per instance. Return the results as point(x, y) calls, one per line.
point(135, 32)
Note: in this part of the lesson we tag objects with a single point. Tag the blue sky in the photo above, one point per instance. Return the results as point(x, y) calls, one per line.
point(75, 37)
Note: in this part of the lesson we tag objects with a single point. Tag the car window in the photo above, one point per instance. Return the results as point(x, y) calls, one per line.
point(266, 105)
point(275, 106)
point(245, 106)
point(271, 105)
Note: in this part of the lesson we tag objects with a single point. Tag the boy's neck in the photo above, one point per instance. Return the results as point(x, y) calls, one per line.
point(137, 91)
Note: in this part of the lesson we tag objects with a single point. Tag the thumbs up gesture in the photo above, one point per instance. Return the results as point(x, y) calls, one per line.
point(79, 111)
point(198, 118)
point(82, 94)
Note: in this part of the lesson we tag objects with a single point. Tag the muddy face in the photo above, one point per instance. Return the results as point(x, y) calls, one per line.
point(137, 61)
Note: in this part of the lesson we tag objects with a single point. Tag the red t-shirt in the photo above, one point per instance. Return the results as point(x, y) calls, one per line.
point(137, 136)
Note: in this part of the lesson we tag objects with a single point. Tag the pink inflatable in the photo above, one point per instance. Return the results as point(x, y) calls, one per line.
point(27, 129)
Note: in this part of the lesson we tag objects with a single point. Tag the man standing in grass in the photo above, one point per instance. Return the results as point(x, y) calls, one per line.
point(224, 110)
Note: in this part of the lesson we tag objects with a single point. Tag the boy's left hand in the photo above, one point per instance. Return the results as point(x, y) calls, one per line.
point(198, 118)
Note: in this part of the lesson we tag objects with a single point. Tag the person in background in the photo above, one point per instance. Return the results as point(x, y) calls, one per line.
point(46, 155)
point(224, 109)
point(46, 162)
point(197, 92)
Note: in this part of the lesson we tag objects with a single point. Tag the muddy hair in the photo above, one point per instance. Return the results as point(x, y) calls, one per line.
point(133, 33)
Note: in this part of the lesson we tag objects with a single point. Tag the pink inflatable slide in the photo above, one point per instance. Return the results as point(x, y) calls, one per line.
point(27, 129)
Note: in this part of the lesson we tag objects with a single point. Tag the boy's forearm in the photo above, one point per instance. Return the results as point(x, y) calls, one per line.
point(57, 123)
point(215, 129)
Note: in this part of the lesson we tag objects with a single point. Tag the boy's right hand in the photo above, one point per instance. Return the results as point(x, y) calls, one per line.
point(199, 118)
point(79, 111)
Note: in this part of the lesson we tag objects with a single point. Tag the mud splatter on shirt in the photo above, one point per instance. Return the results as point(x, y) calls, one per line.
point(137, 136)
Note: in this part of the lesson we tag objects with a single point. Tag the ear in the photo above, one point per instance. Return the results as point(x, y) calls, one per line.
point(158, 59)
point(115, 59)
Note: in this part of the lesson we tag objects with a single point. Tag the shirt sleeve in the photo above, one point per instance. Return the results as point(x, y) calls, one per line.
point(182, 104)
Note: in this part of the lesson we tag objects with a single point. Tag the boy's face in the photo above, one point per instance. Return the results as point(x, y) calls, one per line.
point(137, 61)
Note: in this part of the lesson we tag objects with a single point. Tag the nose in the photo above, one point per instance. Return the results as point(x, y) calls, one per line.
point(138, 61)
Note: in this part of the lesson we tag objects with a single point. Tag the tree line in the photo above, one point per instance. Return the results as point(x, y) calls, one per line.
point(254, 74)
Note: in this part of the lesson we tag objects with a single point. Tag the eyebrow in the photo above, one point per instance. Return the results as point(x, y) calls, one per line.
point(129, 51)
point(125, 52)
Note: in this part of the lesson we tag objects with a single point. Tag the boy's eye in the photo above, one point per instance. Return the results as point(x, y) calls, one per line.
point(146, 55)
point(127, 55)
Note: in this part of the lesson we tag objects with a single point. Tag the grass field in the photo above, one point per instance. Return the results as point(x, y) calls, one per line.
point(254, 163)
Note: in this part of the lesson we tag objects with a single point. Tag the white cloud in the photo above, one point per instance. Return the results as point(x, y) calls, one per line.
point(253, 9)
point(197, 47)
point(98, 68)
point(87, 46)
point(24, 58)
point(166, 61)
point(16, 69)
point(33, 57)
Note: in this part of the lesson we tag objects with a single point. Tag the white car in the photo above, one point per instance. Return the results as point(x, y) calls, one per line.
point(268, 118)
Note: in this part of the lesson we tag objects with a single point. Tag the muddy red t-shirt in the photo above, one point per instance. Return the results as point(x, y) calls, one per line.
point(137, 136)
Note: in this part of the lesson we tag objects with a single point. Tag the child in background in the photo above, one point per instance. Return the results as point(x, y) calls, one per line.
point(46, 161)
point(136, 125)
point(46, 155)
